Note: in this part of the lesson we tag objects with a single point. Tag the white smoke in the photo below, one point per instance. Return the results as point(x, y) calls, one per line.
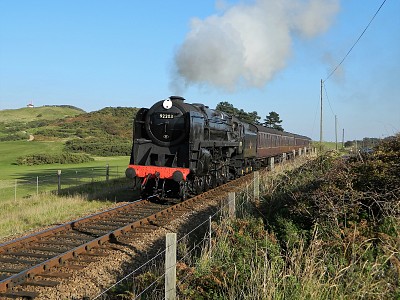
point(249, 42)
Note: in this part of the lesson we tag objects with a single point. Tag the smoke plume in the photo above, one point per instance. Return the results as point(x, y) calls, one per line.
point(247, 43)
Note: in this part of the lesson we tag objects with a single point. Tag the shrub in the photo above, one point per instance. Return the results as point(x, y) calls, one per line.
point(61, 158)
point(100, 147)
point(15, 137)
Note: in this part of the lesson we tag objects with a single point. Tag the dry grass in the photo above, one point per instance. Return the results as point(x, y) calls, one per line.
point(24, 214)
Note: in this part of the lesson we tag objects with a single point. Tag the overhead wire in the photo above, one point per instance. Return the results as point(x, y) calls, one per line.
point(347, 54)
point(326, 94)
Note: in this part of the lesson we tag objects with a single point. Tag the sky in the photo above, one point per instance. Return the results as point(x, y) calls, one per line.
point(259, 55)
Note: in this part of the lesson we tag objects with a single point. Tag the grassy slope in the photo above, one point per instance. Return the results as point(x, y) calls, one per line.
point(38, 113)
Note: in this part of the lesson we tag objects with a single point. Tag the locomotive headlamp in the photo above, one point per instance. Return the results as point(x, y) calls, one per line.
point(167, 104)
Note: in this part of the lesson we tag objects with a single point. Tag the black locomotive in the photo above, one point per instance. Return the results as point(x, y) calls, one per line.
point(182, 149)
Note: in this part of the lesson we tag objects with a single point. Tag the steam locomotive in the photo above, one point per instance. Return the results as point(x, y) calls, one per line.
point(181, 149)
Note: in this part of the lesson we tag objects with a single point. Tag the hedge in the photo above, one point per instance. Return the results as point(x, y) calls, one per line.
point(61, 158)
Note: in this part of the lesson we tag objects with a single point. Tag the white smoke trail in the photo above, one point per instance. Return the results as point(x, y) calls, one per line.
point(249, 42)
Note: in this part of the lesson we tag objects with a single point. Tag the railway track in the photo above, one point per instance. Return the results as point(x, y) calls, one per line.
point(36, 260)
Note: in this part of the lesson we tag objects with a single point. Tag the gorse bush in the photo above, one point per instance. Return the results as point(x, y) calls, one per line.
point(61, 158)
point(15, 137)
point(100, 147)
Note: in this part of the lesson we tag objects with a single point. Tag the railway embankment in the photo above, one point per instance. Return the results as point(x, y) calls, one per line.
point(326, 230)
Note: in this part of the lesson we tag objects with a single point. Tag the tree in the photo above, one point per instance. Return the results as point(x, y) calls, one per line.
point(272, 121)
point(228, 108)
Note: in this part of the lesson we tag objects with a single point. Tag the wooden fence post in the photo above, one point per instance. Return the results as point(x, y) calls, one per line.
point(209, 233)
point(170, 266)
point(15, 190)
point(271, 163)
point(107, 172)
point(256, 186)
point(59, 181)
point(232, 205)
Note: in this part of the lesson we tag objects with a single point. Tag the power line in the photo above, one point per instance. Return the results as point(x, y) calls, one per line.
point(334, 70)
point(326, 94)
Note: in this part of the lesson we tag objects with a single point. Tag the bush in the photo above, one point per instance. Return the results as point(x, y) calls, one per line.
point(100, 147)
point(61, 158)
point(15, 137)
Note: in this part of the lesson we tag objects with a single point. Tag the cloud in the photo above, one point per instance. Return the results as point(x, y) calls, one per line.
point(247, 43)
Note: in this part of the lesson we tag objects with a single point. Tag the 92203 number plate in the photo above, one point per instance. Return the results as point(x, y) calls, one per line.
point(166, 116)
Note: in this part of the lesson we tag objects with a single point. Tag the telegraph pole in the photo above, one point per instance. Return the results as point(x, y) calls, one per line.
point(343, 139)
point(320, 124)
point(336, 132)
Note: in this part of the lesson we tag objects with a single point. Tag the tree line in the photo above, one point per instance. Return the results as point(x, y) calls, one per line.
point(272, 120)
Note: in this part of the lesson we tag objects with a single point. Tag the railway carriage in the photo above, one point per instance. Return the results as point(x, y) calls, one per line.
point(272, 142)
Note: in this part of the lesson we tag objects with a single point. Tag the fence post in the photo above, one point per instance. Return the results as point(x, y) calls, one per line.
point(209, 233)
point(283, 157)
point(15, 190)
point(256, 186)
point(294, 154)
point(37, 185)
point(271, 163)
point(59, 181)
point(231, 205)
point(133, 285)
point(170, 266)
point(107, 172)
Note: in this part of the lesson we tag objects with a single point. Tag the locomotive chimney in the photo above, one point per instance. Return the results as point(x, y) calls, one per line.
point(177, 98)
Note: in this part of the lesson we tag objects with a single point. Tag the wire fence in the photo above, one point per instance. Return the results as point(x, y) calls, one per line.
point(56, 180)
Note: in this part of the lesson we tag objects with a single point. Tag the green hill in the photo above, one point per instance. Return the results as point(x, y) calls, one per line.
point(107, 132)
point(48, 112)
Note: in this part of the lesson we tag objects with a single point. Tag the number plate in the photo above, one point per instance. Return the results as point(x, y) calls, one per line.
point(166, 116)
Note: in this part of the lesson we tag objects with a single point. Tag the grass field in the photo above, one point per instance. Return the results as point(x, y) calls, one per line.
point(23, 181)
point(326, 146)
point(9, 151)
